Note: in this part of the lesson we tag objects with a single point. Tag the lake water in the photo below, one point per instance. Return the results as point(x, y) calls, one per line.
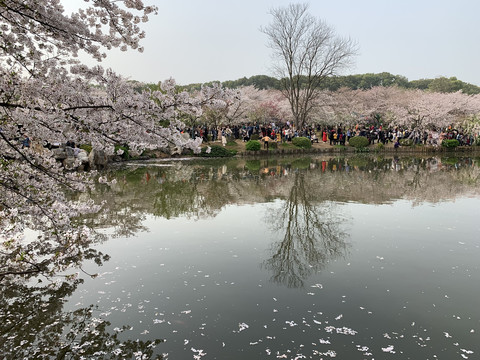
point(313, 258)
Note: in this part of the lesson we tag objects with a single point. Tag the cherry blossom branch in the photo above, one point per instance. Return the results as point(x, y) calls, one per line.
point(35, 166)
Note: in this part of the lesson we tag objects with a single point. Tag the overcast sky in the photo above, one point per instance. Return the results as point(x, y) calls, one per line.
point(205, 40)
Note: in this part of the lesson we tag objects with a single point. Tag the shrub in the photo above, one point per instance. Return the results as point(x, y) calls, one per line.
point(217, 151)
point(86, 147)
point(231, 143)
point(302, 142)
point(255, 137)
point(358, 142)
point(379, 146)
point(253, 145)
point(451, 143)
point(272, 145)
point(406, 142)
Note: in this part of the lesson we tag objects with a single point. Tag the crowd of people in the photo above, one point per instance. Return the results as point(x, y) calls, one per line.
point(331, 135)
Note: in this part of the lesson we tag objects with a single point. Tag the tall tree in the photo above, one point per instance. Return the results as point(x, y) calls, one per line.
point(306, 52)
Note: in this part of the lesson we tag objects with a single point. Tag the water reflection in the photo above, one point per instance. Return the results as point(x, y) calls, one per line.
point(35, 326)
point(200, 190)
point(310, 235)
point(310, 226)
point(308, 220)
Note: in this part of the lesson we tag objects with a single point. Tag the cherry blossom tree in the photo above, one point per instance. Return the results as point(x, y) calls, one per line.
point(470, 122)
point(225, 112)
point(248, 105)
point(269, 106)
point(335, 108)
point(420, 110)
point(47, 95)
point(397, 107)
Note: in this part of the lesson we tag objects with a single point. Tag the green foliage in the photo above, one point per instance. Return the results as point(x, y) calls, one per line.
point(287, 145)
point(125, 155)
point(231, 143)
point(301, 164)
point(450, 160)
point(449, 85)
point(253, 145)
point(359, 161)
point(135, 176)
point(164, 123)
point(421, 84)
point(360, 81)
point(217, 151)
point(354, 82)
point(406, 142)
point(362, 150)
point(358, 142)
point(450, 144)
point(365, 81)
point(261, 82)
point(302, 142)
point(272, 145)
point(255, 137)
point(253, 165)
point(444, 85)
point(86, 147)
point(379, 147)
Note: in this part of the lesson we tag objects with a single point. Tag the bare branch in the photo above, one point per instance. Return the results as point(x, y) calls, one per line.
point(306, 51)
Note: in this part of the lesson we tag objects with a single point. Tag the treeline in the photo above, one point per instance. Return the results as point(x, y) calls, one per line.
point(354, 82)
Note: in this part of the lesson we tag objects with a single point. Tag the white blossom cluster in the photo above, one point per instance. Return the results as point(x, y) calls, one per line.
point(49, 97)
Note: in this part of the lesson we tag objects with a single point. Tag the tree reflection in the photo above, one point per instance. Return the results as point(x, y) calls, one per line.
point(312, 235)
point(35, 326)
point(200, 190)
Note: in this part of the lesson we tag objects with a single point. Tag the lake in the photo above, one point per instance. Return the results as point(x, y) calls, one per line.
point(314, 258)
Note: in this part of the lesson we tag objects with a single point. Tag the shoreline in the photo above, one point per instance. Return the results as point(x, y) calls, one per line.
point(326, 148)
point(371, 151)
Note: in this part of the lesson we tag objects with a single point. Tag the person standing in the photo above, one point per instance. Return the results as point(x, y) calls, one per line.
point(26, 142)
point(224, 137)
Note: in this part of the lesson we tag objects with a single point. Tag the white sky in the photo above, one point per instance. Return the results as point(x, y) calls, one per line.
point(206, 40)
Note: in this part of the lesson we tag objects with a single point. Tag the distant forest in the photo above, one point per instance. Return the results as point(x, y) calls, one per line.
point(354, 82)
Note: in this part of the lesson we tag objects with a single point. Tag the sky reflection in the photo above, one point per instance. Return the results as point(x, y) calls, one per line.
point(301, 275)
